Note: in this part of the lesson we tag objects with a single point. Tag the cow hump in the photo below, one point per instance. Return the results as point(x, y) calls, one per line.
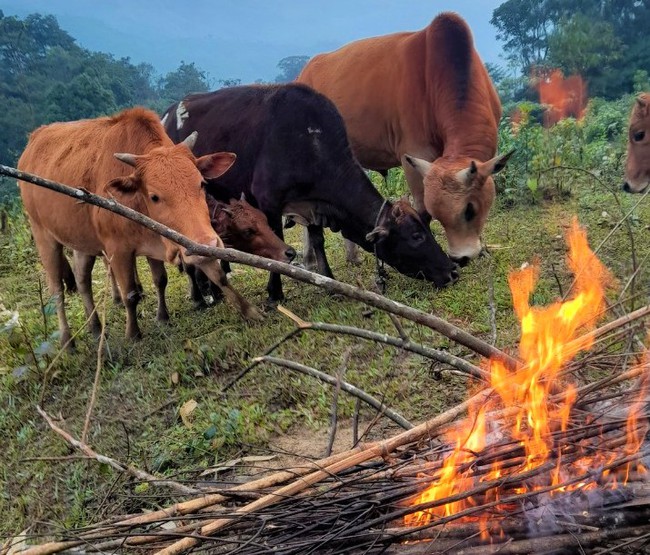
point(451, 47)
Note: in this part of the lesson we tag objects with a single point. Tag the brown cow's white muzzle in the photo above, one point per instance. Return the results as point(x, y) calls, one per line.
point(463, 253)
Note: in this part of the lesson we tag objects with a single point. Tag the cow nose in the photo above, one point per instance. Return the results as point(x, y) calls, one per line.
point(449, 278)
point(626, 187)
point(290, 253)
point(462, 261)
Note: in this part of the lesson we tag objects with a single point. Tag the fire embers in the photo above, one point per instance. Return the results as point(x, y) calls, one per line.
point(530, 438)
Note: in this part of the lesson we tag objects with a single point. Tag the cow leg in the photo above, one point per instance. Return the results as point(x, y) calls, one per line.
point(51, 253)
point(159, 275)
point(115, 290)
point(83, 271)
point(123, 266)
point(195, 289)
point(317, 240)
point(416, 185)
point(68, 275)
point(215, 274)
point(274, 286)
point(308, 254)
point(352, 253)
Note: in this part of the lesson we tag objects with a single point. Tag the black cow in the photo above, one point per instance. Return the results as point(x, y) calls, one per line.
point(293, 157)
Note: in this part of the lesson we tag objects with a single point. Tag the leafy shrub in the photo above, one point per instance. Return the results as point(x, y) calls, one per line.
point(537, 171)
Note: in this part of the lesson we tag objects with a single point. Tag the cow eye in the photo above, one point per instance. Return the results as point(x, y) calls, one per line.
point(418, 237)
point(248, 233)
point(638, 136)
point(470, 212)
point(155, 198)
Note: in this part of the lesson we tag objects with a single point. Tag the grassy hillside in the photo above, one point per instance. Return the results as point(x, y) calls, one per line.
point(144, 384)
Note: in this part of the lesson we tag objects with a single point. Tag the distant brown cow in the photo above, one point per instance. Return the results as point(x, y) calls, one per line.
point(423, 99)
point(637, 168)
point(165, 185)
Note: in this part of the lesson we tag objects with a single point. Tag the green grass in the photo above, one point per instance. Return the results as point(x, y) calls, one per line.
point(136, 417)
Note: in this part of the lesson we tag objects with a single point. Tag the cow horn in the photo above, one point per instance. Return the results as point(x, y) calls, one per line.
point(190, 140)
point(243, 196)
point(130, 159)
point(422, 166)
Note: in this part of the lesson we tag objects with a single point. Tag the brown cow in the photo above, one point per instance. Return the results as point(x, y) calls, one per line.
point(423, 99)
point(637, 168)
point(165, 185)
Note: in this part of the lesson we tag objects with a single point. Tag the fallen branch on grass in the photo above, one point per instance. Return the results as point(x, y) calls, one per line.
point(345, 386)
point(121, 467)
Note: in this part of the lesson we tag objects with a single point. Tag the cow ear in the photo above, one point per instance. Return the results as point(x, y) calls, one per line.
point(377, 234)
point(122, 186)
point(496, 164)
point(422, 166)
point(641, 104)
point(212, 166)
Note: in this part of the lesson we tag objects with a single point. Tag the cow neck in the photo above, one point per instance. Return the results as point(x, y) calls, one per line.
point(364, 207)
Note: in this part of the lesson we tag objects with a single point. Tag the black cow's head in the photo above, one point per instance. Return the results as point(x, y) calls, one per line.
point(403, 241)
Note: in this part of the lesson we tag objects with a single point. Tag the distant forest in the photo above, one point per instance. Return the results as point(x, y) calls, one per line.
point(45, 76)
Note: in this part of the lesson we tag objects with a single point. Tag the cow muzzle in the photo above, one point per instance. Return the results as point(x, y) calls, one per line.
point(630, 189)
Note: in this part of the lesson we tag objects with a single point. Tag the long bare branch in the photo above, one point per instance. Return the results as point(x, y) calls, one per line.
point(231, 255)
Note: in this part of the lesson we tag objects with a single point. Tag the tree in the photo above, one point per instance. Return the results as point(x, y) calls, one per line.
point(177, 84)
point(524, 26)
point(584, 46)
point(83, 97)
point(290, 68)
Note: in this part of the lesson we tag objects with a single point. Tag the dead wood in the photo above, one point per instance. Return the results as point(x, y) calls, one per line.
point(345, 386)
point(121, 467)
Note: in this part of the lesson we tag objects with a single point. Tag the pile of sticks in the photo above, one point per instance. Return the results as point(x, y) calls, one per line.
point(355, 501)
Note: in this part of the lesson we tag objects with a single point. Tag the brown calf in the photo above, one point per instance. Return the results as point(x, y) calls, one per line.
point(637, 168)
point(149, 174)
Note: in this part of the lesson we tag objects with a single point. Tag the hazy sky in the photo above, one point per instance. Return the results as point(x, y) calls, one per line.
point(245, 39)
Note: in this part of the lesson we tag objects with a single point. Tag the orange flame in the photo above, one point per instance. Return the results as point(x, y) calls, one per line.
point(564, 97)
point(550, 337)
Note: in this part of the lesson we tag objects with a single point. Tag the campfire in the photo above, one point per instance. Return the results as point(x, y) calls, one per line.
point(543, 439)
point(532, 463)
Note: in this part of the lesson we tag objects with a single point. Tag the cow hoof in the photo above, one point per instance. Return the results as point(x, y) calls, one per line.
point(272, 302)
point(199, 304)
point(97, 333)
point(252, 313)
point(118, 301)
point(134, 336)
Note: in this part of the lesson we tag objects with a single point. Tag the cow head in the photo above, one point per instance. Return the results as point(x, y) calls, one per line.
point(403, 241)
point(637, 168)
point(167, 185)
point(245, 228)
point(459, 194)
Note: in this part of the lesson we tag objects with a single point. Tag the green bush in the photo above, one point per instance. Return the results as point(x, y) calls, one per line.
point(537, 171)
